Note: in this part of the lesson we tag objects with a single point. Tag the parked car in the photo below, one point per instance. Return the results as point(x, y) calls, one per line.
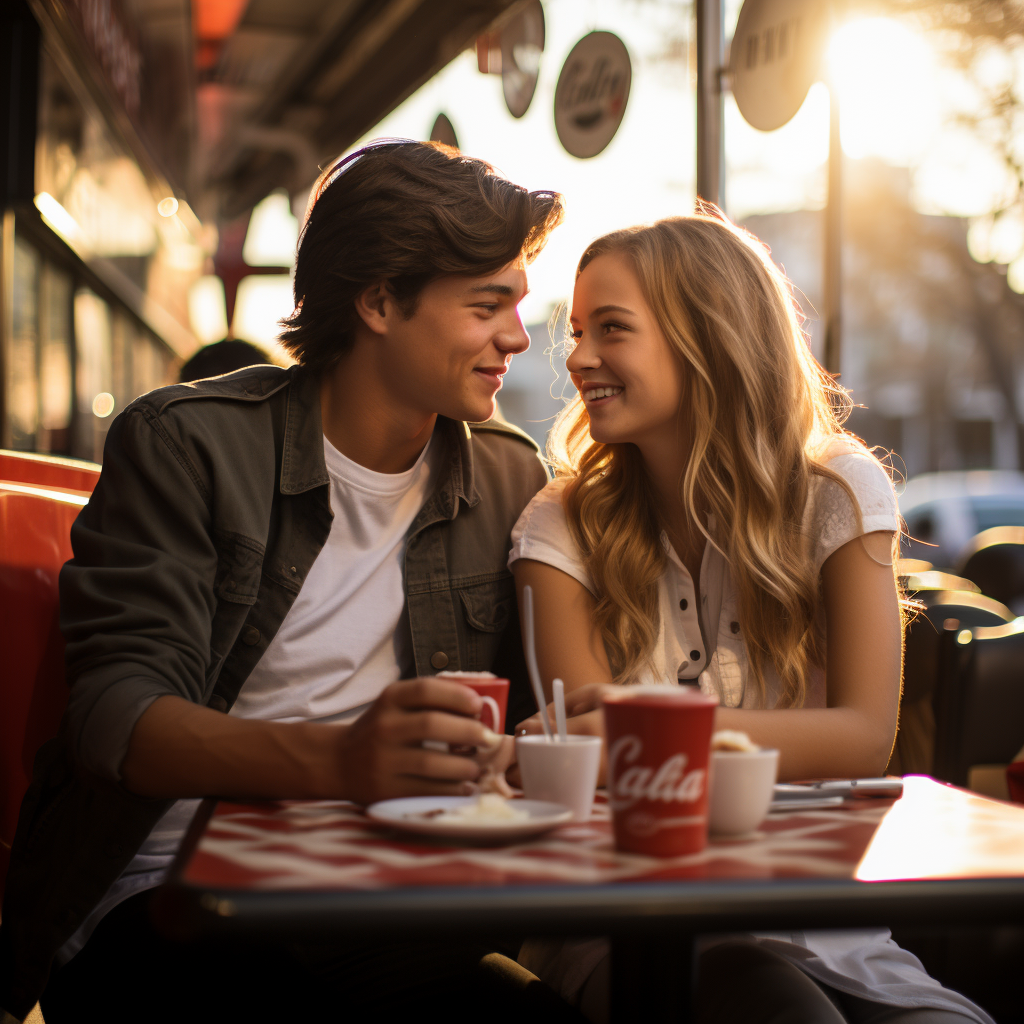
point(943, 511)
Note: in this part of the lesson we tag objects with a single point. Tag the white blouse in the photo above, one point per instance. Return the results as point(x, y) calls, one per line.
point(830, 521)
point(864, 963)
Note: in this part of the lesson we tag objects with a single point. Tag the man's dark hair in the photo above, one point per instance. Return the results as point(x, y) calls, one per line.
point(407, 213)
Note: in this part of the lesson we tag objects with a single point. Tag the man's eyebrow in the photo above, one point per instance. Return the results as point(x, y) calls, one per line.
point(498, 289)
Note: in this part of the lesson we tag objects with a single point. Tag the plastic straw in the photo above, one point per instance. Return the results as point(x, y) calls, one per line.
point(559, 694)
point(530, 648)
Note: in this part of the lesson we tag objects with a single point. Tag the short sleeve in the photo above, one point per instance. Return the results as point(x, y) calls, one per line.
point(832, 519)
point(542, 534)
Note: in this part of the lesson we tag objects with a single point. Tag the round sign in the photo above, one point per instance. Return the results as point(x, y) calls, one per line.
point(591, 94)
point(776, 57)
point(444, 132)
point(522, 43)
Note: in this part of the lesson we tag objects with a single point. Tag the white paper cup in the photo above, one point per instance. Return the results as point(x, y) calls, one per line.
point(560, 772)
point(741, 785)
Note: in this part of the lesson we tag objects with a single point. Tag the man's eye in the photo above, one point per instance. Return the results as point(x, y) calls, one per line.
point(489, 306)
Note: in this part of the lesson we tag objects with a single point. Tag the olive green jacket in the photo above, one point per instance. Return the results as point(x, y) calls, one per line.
point(211, 508)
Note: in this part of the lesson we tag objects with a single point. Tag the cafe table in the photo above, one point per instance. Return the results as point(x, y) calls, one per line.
point(306, 869)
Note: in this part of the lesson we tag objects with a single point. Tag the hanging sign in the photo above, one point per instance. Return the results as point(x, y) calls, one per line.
point(591, 94)
point(522, 43)
point(444, 132)
point(775, 58)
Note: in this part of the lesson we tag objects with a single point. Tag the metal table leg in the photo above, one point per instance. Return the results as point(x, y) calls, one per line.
point(652, 977)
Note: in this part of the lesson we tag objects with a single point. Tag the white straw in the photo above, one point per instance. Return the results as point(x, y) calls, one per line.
point(559, 694)
point(530, 648)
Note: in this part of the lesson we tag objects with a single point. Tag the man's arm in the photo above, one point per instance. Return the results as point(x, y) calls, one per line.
point(179, 749)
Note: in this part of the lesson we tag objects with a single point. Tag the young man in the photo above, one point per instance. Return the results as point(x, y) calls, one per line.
point(273, 566)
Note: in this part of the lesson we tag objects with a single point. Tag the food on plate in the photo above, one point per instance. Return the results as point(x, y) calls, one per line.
point(486, 807)
point(733, 740)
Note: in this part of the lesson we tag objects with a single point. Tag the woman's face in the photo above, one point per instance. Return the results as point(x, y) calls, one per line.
point(630, 380)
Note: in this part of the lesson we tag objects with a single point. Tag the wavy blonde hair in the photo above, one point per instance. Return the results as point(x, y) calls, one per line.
point(762, 416)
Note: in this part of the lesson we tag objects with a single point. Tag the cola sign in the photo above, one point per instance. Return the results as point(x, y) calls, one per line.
point(668, 783)
point(591, 94)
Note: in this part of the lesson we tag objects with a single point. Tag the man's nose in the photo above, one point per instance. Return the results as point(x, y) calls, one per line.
point(515, 340)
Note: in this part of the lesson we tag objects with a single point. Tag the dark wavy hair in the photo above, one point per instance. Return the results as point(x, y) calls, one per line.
point(407, 213)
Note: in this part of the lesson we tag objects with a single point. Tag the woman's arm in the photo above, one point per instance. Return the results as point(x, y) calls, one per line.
point(853, 736)
point(569, 647)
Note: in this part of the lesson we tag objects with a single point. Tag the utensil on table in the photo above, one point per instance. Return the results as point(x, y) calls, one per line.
point(530, 649)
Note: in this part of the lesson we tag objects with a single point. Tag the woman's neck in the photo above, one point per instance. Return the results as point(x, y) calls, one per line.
point(665, 459)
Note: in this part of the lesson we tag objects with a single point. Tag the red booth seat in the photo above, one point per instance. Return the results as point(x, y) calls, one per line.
point(35, 525)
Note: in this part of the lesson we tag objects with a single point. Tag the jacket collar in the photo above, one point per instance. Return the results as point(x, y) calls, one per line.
point(302, 461)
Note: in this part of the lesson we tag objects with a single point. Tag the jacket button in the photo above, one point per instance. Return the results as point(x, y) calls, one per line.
point(439, 659)
point(734, 626)
point(251, 636)
point(230, 585)
point(217, 703)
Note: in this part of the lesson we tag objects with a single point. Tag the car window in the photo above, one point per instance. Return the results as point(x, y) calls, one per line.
point(1002, 513)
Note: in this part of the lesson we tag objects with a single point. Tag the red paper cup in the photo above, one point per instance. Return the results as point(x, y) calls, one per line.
point(494, 692)
point(659, 742)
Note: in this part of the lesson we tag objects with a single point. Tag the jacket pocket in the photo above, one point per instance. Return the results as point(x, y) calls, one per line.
point(486, 610)
point(239, 566)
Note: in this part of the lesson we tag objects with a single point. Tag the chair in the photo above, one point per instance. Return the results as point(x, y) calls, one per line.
point(915, 740)
point(35, 524)
point(994, 560)
point(979, 698)
point(48, 471)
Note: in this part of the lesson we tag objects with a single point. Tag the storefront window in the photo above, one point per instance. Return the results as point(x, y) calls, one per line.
point(23, 353)
point(94, 375)
point(55, 364)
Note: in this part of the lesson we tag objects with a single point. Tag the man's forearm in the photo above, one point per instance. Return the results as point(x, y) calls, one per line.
point(180, 749)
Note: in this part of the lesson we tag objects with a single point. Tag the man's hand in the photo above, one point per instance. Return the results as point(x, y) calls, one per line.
point(381, 755)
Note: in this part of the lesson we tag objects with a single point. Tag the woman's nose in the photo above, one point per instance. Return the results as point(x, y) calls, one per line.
point(582, 357)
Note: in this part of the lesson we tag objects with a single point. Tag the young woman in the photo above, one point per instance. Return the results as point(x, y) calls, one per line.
point(712, 524)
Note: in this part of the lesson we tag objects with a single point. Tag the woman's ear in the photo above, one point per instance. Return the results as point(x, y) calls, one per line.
point(374, 305)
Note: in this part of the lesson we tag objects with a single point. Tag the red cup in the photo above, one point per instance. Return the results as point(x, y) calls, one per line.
point(659, 743)
point(494, 692)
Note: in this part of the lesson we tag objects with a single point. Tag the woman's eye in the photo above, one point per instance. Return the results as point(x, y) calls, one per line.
point(610, 325)
point(576, 335)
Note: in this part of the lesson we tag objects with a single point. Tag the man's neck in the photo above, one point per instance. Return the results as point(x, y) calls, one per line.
point(364, 422)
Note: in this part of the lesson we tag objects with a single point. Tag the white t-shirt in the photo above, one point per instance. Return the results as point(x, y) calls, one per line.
point(865, 963)
point(342, 642)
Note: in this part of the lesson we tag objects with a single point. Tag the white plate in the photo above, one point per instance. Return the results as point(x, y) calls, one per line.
point(407, 814)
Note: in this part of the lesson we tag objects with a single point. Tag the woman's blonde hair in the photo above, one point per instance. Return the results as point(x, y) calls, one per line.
point(762, 415)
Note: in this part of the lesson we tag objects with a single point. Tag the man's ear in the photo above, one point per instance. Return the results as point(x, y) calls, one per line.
point(374, 306)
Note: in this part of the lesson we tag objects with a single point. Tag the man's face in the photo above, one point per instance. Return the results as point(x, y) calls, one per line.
point(449, 357)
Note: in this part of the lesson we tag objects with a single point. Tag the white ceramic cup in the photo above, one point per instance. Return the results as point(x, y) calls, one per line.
point(560, 772)
point(740, 789)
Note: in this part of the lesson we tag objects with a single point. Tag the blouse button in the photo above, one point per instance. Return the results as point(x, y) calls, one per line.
point(683, 603)
point(695, 655)
point(734, 626)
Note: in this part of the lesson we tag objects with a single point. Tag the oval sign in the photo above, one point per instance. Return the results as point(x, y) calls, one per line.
point(776, 57)
point(522, 43)
point(591, 94)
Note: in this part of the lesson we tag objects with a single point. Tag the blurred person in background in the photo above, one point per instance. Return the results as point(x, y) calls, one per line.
point(254, 610)
point(221, 357)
